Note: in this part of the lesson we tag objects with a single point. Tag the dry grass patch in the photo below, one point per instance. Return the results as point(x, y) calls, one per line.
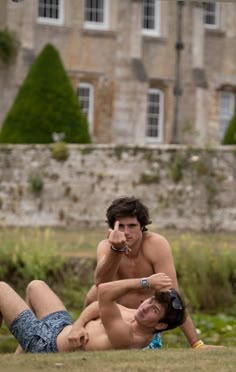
point(176, 360)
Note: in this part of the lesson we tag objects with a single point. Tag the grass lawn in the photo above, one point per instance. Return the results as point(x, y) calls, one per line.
point(83, 241)
point(187, 360)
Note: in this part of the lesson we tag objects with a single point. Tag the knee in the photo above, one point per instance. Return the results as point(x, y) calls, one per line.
point(3, 285)
point(34, 285)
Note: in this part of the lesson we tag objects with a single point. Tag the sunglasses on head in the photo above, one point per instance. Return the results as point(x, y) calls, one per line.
point(175, 301)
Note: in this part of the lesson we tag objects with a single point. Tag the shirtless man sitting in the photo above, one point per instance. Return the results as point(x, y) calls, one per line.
point(42, 324)
point(130, 251)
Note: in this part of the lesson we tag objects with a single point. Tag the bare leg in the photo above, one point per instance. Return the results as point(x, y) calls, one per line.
point(42, 301)
point(11, 304)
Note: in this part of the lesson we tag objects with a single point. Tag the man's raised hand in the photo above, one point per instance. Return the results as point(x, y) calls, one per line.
point(160, 282)
point(116, 237)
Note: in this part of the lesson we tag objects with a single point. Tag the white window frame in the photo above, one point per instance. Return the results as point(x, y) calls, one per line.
point(53, 21)
point(159, 116)
point(215, 13)
point(227, 107)
point(98, 25)
point(88, 113)
point(156, 31)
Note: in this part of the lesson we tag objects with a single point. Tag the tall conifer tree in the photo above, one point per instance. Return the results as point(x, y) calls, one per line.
point(45, 104)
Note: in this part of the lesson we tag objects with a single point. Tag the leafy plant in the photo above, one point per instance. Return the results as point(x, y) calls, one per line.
point(60, 151)
point(176, 168)
point(8, 46)
point(35, 183)
point(29, 258)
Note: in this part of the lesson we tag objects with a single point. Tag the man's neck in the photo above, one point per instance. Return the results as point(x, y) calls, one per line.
point(135, 248)
point(142, 330)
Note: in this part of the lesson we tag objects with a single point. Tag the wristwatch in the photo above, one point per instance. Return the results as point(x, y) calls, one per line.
point(144, 282)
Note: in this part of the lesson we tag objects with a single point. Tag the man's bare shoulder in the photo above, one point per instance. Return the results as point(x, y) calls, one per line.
point(103, 242)
point(153, 243)
point(150, 237)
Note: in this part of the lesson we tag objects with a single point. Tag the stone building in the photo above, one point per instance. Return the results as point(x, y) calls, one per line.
point(140, 67)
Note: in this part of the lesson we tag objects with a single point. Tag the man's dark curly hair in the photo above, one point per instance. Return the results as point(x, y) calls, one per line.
point(174, 315)
point(128, 207)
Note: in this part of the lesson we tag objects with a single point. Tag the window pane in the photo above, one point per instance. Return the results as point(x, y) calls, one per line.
point(209, 13)
point(154, 114)
point(149, 14)
point(94, 11)
point(49, 9)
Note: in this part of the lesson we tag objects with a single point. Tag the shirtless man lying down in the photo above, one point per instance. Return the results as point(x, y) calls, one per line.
point(41, 324)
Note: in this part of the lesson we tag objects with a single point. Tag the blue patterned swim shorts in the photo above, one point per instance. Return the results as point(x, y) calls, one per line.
point(39, 336)
point(155, 343)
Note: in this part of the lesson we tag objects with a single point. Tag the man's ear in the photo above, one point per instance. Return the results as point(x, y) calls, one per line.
point(161, 326)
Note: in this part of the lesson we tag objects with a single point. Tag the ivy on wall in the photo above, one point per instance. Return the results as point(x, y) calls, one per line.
point(9, 45)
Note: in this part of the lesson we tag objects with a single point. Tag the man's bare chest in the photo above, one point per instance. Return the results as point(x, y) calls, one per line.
point(134, 268)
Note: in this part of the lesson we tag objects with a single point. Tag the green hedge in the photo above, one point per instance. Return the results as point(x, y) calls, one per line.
point(45, 104)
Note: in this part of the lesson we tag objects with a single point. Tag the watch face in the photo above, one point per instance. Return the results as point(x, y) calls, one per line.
point(144, 283)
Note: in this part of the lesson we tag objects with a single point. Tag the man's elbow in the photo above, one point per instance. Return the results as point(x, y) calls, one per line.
point(97, 279)
point(102, 291)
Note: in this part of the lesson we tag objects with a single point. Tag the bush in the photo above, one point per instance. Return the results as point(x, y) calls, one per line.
point(230, 134)
point(45, 104)
point(60, 151)
point(35, 183)
point(8, 46)
point(27, 258)
point(206, 275)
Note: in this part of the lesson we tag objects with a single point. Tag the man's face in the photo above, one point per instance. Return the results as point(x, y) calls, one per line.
point(150, 312)
point(131, 228)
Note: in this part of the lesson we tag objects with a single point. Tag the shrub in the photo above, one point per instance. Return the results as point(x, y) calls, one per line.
point(45, 104)
point(60, 151)
point(8, 46)
point(230, 134)
point(28, 258)
point(35, 183)
point(176, 168)
point(206, 275)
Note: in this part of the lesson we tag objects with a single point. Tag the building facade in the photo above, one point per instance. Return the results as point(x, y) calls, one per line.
point(139, 67)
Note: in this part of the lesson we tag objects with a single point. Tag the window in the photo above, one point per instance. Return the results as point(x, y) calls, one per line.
point(96, 14)
point(154, 127)
point(210, 14)
point(151, 17)
point(51, 11)
point(227, 105)
point(85, 95)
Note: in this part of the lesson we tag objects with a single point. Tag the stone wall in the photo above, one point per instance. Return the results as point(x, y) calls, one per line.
point(186, 188)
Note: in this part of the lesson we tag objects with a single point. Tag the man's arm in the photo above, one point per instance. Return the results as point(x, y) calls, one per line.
point(118, 330)
point(109, 254)
point(78, 335)
point(164, 262)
